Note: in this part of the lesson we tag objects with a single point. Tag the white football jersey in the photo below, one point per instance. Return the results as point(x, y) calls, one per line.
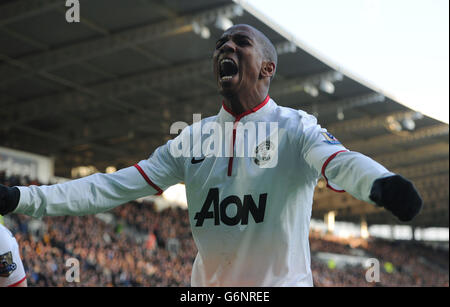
point(12, 272)
point(249, 191)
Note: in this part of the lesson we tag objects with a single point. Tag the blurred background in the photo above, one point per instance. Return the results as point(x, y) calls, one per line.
point(97, 91)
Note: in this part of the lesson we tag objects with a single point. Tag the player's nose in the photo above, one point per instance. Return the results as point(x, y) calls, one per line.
point(228, 47)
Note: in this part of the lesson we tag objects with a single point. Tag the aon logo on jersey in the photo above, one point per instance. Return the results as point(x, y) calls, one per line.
point(219, 210)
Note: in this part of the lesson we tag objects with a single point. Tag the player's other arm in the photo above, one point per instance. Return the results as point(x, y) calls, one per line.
point(95, 193)
point(356, 173)
point(368, 180)
point(12, 272)
point(88, 195)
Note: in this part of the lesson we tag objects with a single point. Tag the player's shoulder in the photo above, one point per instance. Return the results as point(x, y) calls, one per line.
point(209, 119)
point(186, 128)
point(294, 119)
point(186, 136)
point(6, 239)
point(5, 232)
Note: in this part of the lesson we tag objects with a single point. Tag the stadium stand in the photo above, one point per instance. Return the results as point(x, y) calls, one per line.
point(139, 246)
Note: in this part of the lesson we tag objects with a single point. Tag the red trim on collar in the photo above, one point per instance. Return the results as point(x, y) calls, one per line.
point(239, 116)
point(236, 119)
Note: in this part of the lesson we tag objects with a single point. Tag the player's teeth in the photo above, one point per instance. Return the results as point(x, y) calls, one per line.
point(226, 60)
point(226, 78)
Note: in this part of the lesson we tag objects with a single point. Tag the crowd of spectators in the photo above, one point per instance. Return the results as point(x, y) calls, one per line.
point(109, 254)
point(402, 263)
point(137, 245)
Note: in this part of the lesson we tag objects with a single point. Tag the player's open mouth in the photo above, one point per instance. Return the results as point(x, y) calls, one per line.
point(227, 69)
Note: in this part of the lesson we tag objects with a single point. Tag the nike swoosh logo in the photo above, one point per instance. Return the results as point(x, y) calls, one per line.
point(194, 161)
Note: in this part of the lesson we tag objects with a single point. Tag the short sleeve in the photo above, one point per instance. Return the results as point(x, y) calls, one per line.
point(162, 169)
point(318, 146)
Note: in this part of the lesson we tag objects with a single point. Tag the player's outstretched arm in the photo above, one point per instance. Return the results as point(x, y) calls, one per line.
point(357, 174)
point(88, 195)
point(368, 180)
point(98, 192)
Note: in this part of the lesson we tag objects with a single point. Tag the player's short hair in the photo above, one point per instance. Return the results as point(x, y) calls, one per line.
point(268, 49)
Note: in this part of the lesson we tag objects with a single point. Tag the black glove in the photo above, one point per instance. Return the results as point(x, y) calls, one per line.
point(398, 195)
point(9, 199)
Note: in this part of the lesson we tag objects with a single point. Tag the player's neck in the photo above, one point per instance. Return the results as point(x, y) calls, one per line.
point(242, 103)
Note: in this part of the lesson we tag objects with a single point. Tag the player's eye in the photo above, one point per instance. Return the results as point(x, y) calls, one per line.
point(242, 41)
point(220, 42)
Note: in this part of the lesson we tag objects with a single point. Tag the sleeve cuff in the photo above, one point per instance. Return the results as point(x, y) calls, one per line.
point(24, 199)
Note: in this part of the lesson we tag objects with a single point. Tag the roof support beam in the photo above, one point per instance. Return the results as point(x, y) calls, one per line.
point(379, 143)
point(354, 102)
point(105, 92)
point(117, 104)
point(366, 123)
point(425, 169)
point(99, 94)
point(93, 48)
point(22, 9)
point(103, 149)
point(289, 86)
point(407, 157)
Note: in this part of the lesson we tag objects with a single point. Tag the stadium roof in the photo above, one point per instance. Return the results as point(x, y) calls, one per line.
point(105, 91)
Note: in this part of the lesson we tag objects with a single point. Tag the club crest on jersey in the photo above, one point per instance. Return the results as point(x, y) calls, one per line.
point(330, 139)
point(7, 266)
point(264, 153)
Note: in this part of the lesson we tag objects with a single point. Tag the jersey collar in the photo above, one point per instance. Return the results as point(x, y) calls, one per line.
point(262, 108)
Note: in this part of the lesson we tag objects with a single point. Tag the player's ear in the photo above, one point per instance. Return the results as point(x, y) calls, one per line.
point(267, 69)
